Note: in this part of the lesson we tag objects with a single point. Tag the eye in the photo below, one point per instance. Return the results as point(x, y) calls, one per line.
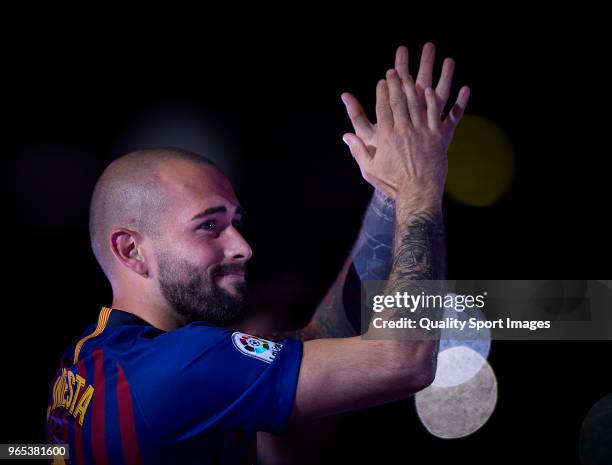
point(209, 225)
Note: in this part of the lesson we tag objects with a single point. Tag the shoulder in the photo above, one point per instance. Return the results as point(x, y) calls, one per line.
point(213, 377)
point(221, 346)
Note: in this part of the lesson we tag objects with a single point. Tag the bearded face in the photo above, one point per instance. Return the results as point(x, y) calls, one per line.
point(194, 293)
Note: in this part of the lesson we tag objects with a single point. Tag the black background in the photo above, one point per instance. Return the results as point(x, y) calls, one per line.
point(271, 94)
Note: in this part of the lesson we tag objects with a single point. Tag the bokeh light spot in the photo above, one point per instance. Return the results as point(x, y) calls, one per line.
point(481, 162)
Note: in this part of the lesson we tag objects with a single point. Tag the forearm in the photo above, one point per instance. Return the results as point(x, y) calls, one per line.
point(417, 256)
point(372, 251)
point(418, 247)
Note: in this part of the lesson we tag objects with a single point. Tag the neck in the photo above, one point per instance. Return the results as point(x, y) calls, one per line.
point(157, 314)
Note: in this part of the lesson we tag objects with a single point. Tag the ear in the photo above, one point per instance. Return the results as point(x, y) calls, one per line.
point(127, 246)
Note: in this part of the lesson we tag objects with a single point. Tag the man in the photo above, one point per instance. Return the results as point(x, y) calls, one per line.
point(162, 377)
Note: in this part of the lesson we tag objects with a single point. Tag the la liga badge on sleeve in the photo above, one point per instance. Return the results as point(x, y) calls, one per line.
point(256, 347)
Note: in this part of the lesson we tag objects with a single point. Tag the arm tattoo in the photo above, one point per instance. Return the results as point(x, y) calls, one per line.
point(372, 251)
point(419, 253)
point(418, 256)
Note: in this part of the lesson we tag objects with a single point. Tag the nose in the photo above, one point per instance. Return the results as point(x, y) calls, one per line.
point(236, 247)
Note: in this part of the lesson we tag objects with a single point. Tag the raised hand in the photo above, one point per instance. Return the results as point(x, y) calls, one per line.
point(442, 91)
point(406, 148)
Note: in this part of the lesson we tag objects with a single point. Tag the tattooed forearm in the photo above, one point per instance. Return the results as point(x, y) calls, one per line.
point(372, 251)
point(418, 256)
point(419, 250)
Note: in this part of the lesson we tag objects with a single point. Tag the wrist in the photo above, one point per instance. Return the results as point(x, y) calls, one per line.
point(415, 202)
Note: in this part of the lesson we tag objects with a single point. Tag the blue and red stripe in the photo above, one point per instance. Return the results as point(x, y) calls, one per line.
point(98, 413)
point(127, 423)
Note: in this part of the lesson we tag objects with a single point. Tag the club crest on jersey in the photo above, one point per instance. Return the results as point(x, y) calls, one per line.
point(256, 347)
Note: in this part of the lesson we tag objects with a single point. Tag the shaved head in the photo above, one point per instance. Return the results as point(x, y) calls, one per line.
point(131, 193)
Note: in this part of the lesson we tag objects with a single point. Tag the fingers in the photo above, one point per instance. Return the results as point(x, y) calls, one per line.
point(397, 99)
point(361, 124)
point(358, 150)
point(458, 109)
point(446, 79)
point(414, 90)
point(415, 107)
point(384, 115)
point(426, 67)
point(401, 62)
point(433, 109)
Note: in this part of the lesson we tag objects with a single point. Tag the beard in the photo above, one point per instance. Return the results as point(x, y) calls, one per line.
point(194, 295)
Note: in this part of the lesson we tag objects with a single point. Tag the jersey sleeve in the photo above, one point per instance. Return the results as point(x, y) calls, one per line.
point(201, 378)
